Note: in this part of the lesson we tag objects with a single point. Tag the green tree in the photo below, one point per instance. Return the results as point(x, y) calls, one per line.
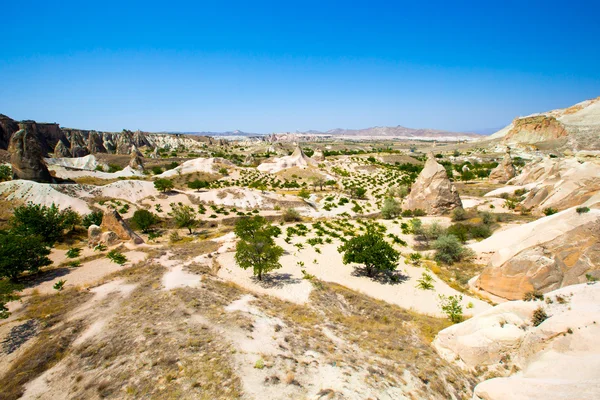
point(144, 220)
point(184, 217)
point(93, 218)
point(198, 184)
point(163, 185)
point(20, 253)
point(450, 305)
point(5, 173)
point(391, 208)
point(256, 248)
point(34, 219)
point(372, 251)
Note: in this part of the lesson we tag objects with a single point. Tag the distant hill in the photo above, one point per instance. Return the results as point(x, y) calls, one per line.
point(576, 127)
point(402, 132)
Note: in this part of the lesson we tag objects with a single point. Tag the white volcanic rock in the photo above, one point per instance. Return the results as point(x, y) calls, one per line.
point(206, 165)
point(558, 359)
point(433, 191)
point(505, 171)
point(88, 163)
point(41, 193)
point(297, 159)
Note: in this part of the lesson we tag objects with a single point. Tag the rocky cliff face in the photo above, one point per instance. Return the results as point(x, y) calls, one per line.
point(433, 191)
point(26, 156)
point(79, 143)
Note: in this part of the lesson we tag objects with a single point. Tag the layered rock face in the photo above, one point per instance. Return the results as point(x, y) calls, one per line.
point(505, 171)
point(557, 359)
point(543, 255)
point(61, 151)
point(297, 159)
point(433, 191)
point(112, 221)
point(26, 156)
point(7, 128)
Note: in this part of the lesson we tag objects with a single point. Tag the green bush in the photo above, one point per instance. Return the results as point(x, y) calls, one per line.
point(582, 210)
point(459, 214)
point(73, 252)
point(34, 219)
point(449, 249)
point(450, 305)
point(550, 211)
point(144, 219)
point(5, 173)
point(117, 257)
point(163, 185)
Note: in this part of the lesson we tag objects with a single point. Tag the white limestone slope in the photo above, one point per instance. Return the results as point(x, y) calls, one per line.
point(558, 359)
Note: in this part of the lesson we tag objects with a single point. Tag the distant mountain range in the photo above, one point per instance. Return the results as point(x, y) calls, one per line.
point(376, 131)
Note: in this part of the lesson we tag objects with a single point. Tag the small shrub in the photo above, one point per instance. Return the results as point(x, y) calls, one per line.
point(100, 247)
point(550, 211)
point(58, 286)
point(116, 257)
point(582, 210)
point(425, 282)
point(459, 214)
point(291, 215)
point(73, 252)
point(533, 296)
point(450, 305)
point(539, 316)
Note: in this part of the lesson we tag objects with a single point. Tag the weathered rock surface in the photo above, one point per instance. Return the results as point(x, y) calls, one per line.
point(109, 238)
point(61, 151)
point(544, 255)
point(136, 161)
point(558, 359)
point(94, 235)
point(112, 221)
point(26, 157)
point(505, 171)
point(433, 191)
point(318, 156)
point(297, 159)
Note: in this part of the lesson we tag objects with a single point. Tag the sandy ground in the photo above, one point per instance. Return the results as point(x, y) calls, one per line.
point(287, 283)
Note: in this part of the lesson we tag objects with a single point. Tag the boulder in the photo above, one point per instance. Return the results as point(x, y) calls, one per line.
point(505, 171)
point(94, 235)
point(557, 357)
point(109, 238)
point(112, 221)
point(27, 158)
point(61, 150)
point(433, 191)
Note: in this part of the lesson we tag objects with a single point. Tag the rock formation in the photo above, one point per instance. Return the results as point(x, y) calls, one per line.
point(297, 159)
point(543, 255)
point(558, 357)
point(94, 234)
point(7, 128)
point(432, 191)
point(505, 171)
point(27, 158)
point(112, 221)
point(61, 151)
point(136, 161)
point(318, 156)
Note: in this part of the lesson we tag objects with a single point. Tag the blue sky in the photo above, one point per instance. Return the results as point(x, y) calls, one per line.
point(285, 66)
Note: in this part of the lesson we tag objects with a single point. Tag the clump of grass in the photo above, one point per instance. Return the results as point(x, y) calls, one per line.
point(539, 316)
point(117, 257)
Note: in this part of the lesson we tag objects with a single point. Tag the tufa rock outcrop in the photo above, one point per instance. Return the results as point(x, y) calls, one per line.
point(112, 221)
point(318, 156)
point(432, 191)
point(505, 171)
point(26, 157)
point(94, 235)
point(136, 161)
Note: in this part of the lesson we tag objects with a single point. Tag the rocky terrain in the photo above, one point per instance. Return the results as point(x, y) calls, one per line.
point(484, 284)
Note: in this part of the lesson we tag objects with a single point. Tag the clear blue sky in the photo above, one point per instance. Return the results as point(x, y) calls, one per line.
point(286, 66)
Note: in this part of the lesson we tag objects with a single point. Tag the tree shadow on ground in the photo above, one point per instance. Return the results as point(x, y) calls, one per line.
point(387, 277)
point(43, 276)
point(276, 280)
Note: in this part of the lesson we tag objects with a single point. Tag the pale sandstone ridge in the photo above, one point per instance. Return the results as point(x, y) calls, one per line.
point(433, 191)
point(576, 128)
point(112, 221)
point(297, 159)
point(26, 157)
point(505, 171)
point(558, 359)
point(544, 255)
